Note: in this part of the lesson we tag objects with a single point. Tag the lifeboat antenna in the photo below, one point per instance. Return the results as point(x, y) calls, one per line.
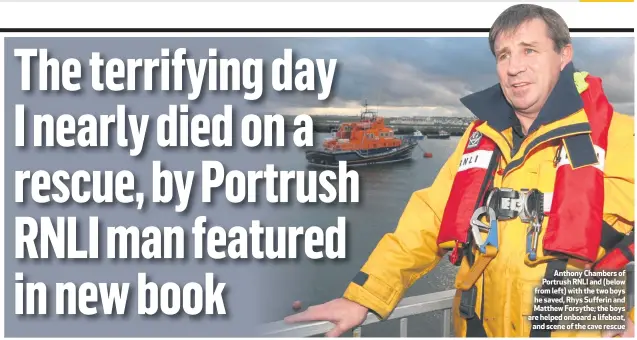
point(368, 114)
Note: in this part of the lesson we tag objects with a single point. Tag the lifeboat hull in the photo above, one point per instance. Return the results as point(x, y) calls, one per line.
point(360, 157)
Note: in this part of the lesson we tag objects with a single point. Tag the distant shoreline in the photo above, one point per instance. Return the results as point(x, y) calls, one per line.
point(456, 126)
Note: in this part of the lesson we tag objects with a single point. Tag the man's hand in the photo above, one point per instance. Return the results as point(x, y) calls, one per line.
point(343, 313)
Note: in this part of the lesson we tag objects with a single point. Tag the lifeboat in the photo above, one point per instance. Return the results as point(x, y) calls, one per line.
point(442, 134)
point(366, 142)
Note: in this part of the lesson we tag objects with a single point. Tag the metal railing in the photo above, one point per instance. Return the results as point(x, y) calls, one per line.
point(413, 305)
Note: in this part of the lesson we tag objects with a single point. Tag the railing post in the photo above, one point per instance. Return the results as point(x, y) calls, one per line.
point(446, 323)
point(403, 327)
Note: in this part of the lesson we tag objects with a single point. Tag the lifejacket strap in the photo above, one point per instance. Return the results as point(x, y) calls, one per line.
point(479, 266)
point(610, 236)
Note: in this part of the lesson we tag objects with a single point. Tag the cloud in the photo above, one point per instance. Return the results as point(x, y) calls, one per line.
point(428, 76)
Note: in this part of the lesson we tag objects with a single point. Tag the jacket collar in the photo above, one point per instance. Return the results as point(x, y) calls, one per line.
point(491, 106)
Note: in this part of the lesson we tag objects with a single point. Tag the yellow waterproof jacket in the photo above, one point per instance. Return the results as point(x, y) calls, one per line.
point(411, 251)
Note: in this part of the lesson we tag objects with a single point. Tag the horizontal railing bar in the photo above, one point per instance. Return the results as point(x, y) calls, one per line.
point(409, 306)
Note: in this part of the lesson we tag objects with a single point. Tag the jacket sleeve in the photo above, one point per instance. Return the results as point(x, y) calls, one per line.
point(619, 170)
point(404, 256)
point(619, 182)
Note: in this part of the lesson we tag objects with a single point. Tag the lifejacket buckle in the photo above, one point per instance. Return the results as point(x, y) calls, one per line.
point(532, 204)
point(492, 228)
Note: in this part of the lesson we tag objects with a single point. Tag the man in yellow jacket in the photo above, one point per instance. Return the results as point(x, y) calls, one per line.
point(546, 128)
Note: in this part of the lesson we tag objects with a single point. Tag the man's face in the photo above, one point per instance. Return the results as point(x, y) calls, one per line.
point(528, 65)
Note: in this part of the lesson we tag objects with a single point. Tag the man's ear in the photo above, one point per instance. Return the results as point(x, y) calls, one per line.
point(566, 55)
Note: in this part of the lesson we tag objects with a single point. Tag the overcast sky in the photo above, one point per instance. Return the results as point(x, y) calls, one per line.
point(428, 76)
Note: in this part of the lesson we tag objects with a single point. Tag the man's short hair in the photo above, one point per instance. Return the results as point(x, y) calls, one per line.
point(516, 15)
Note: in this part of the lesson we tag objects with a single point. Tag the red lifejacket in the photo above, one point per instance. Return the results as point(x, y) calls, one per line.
point(620, 249)
point(574, 220)
point(617, 258)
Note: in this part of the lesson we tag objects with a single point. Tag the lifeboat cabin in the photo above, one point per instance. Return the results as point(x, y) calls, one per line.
point(366, 135)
